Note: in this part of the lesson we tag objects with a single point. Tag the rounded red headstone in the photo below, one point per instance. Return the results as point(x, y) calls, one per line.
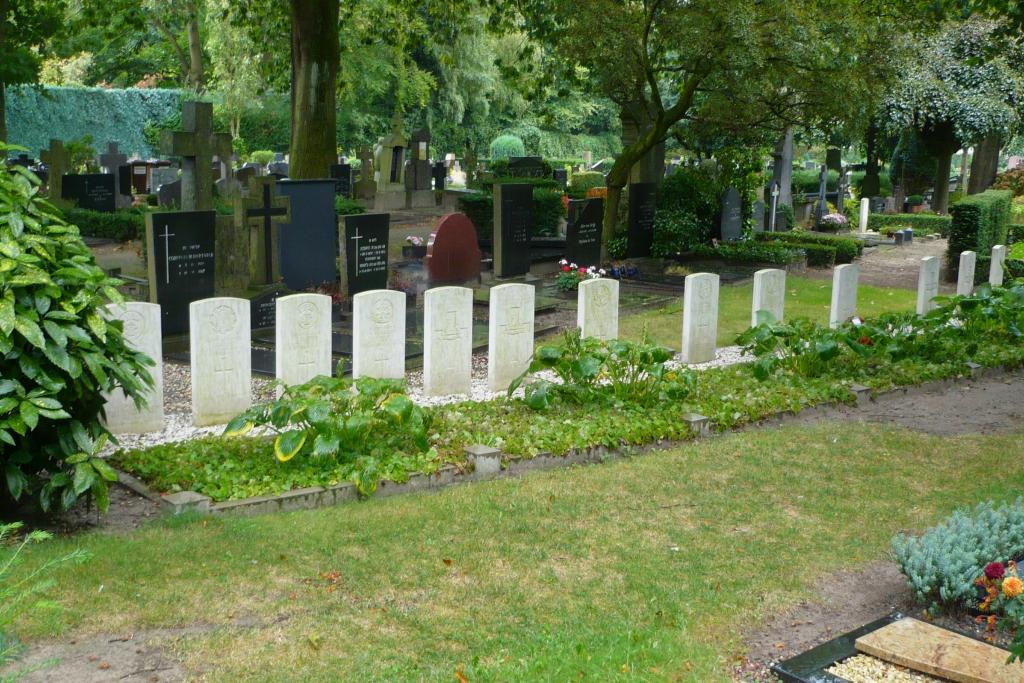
point(454, 253)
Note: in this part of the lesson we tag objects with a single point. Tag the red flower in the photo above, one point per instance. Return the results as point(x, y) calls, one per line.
point(583, 270)
point(866, 341)
point(995, 570)
point(566, 269)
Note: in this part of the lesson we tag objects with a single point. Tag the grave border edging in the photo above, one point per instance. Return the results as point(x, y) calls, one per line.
point(493, 464)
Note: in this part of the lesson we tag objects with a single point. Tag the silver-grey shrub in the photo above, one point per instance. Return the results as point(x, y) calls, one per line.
point(942, 564)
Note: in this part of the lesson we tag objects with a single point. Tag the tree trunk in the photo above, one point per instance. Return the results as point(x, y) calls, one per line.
point(783, 167)
point(940, 198)
point(195, 51)
point(962, 185)
point(314, 84)
point(985, 164)
point(3, 113)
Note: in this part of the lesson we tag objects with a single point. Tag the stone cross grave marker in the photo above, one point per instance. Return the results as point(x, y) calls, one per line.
point(700, 317)
point(57, 160)
point(196, 144)
point(927, 284)
point(141, 323)
point(366, 186)
point(597, 310)
point(303, 338)
point(965, 273)
point(995, 271)
point(181, 247)
point(865, 211)
point(844, 294)
point(769, 294)
point(221, 356)
point(447, 341)
point(439, 171)
point(366, 252)
point(822, 207)
point(111, 161)
point(642, 205)
point(378, 334)
point(775, 206)
point(262, 211)
point(513, 228)
point(509, 334)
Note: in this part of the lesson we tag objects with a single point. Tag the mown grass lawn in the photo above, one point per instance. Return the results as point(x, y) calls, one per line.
point(805, 298)
point(646, 569)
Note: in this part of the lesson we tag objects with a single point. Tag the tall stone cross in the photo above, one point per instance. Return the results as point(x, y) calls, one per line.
point(260, 211)
point(775, 205)
point(822, 200)
point(57, 160)
point(111, 161)
point(196, 145)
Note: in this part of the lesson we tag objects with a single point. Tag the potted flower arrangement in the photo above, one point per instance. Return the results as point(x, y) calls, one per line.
point(571, 275)
point(1004, 602)
point(833, 222)
point(415, 248)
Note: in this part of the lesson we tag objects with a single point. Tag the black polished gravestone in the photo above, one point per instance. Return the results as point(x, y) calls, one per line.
point(366, 252)
point(263, 309)
point(561, 176)
point(513, 227)
point(342, 174)
point(730, 221)
point(643, 199)
point(583, 232)
point(180, 245)
point(309, 243)
point(93, 191)
point(124, 180)
point(439, 171)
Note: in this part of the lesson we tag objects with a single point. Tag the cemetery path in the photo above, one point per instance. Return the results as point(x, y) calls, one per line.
point(888, 266)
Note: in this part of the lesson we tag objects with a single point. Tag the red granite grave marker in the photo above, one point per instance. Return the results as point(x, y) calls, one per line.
point(453, 255)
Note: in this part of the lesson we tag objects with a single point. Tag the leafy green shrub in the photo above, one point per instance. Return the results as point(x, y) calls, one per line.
point(580, 182)
point(548, 211)
point(479, 208)
point(57, 353)
point(119, 225)
point(818, 255)
point(505, 146)
point(348, 207)
point(262, 156)
point(980, 222)
point(847, 248)
point(677, 231)
point(884, 182)
point(367, 424)
point(592, 371)
point(915, 200)
point(809, 182)
point(942, 564)
point(500, 170)
point(24, 594)
point(921, 223)
point(752, 252)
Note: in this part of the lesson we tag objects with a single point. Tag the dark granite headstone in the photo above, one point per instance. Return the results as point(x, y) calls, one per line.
point(877, 204)
point(898, 237)
point(309, 244)
point(561, 176)
point(278, 169)
point(180, 245)
point(730, 225)
point(513, 227)
point(21, 160)
point(342, 174)
point(169, 194)
point(757, 215)
point(453, 253)
point(583, 231)
point(94, 191)
point(527, 167)
point(124, 180)
point(440, 173)
point(263, 309)
point(643, 199)
point(366, 252)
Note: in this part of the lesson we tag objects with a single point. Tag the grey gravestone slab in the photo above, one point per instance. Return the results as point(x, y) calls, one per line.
point(908, 236)
point(162, 175)
point(877, 204)
point(278, 169)
point(309, 244)
point(898, 238)
point(263, 309)
point(93, 191)
point(180, 245)
point(642, 205)
point(366, 252)
point(342, 174)
point(757, 216)
point(527, 167)
point(169, 194)
point(583, 232)
point(730, 222)
point(513, 227)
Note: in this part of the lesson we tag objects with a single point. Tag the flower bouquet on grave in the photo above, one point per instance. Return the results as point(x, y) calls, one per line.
point(624, 272)
point(1004, 603)
point(834, 222)
point(571, 275)
point(415, 248)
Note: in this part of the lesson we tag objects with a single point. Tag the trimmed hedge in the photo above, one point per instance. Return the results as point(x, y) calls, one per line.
point(980, 222)
point(847, 248)
point(120, 225)
point(751, 252)
point(920, 223)
point(819, 255)
point(548, 211)
point(580, 182)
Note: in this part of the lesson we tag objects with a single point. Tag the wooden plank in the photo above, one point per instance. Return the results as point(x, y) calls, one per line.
point(936, 651)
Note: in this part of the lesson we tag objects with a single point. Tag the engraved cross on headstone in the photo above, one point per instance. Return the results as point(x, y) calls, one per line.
point(196, 144)
point(267, 207)
point(57, 160)
point(451, 334)
point(515, 324)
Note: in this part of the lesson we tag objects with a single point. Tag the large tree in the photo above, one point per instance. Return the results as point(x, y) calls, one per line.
point(25, 27)
point(957, 87)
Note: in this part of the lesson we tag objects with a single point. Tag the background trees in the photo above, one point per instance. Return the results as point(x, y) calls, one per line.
point(25, 28)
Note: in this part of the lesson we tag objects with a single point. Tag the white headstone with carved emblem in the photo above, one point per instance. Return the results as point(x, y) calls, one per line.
point(510, 334)
point(597, 310)
point(447, 341)
point(141, 333)
point(221, 356)
point(700, 317)
point(378, 334)
point(769, 293)
point(303, 338)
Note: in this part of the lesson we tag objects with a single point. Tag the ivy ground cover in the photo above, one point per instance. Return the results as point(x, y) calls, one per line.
point(623, 571)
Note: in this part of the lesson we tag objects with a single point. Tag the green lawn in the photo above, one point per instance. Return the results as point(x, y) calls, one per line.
point(646, 569)
point(805, 298)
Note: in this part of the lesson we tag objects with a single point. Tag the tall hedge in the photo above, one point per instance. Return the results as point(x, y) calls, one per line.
point(980, 222)
point(922, 223)
point(108, 115)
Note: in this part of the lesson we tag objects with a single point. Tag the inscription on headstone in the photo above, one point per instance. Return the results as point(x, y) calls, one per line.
point(93, 191)
point(181, 263)
point(342, 174)
point(366, 252)
point(642, 205)
point(730, 226)
point(513, 227)
point(583, 232)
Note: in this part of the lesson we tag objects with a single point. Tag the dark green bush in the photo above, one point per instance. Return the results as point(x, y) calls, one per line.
point(505, 146)
point(677, 231)
point(119, 225)
point(752, 252)
point(479, 208)
point(885, 183)
point(585, 180)
point(921, 223)
point(58, 354)
point(547, 212)
point(980, 222)
point(809, 182)
point(847, 248)
point(348, 207)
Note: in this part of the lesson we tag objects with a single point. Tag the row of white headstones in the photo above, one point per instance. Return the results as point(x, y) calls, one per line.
point(220, 341)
